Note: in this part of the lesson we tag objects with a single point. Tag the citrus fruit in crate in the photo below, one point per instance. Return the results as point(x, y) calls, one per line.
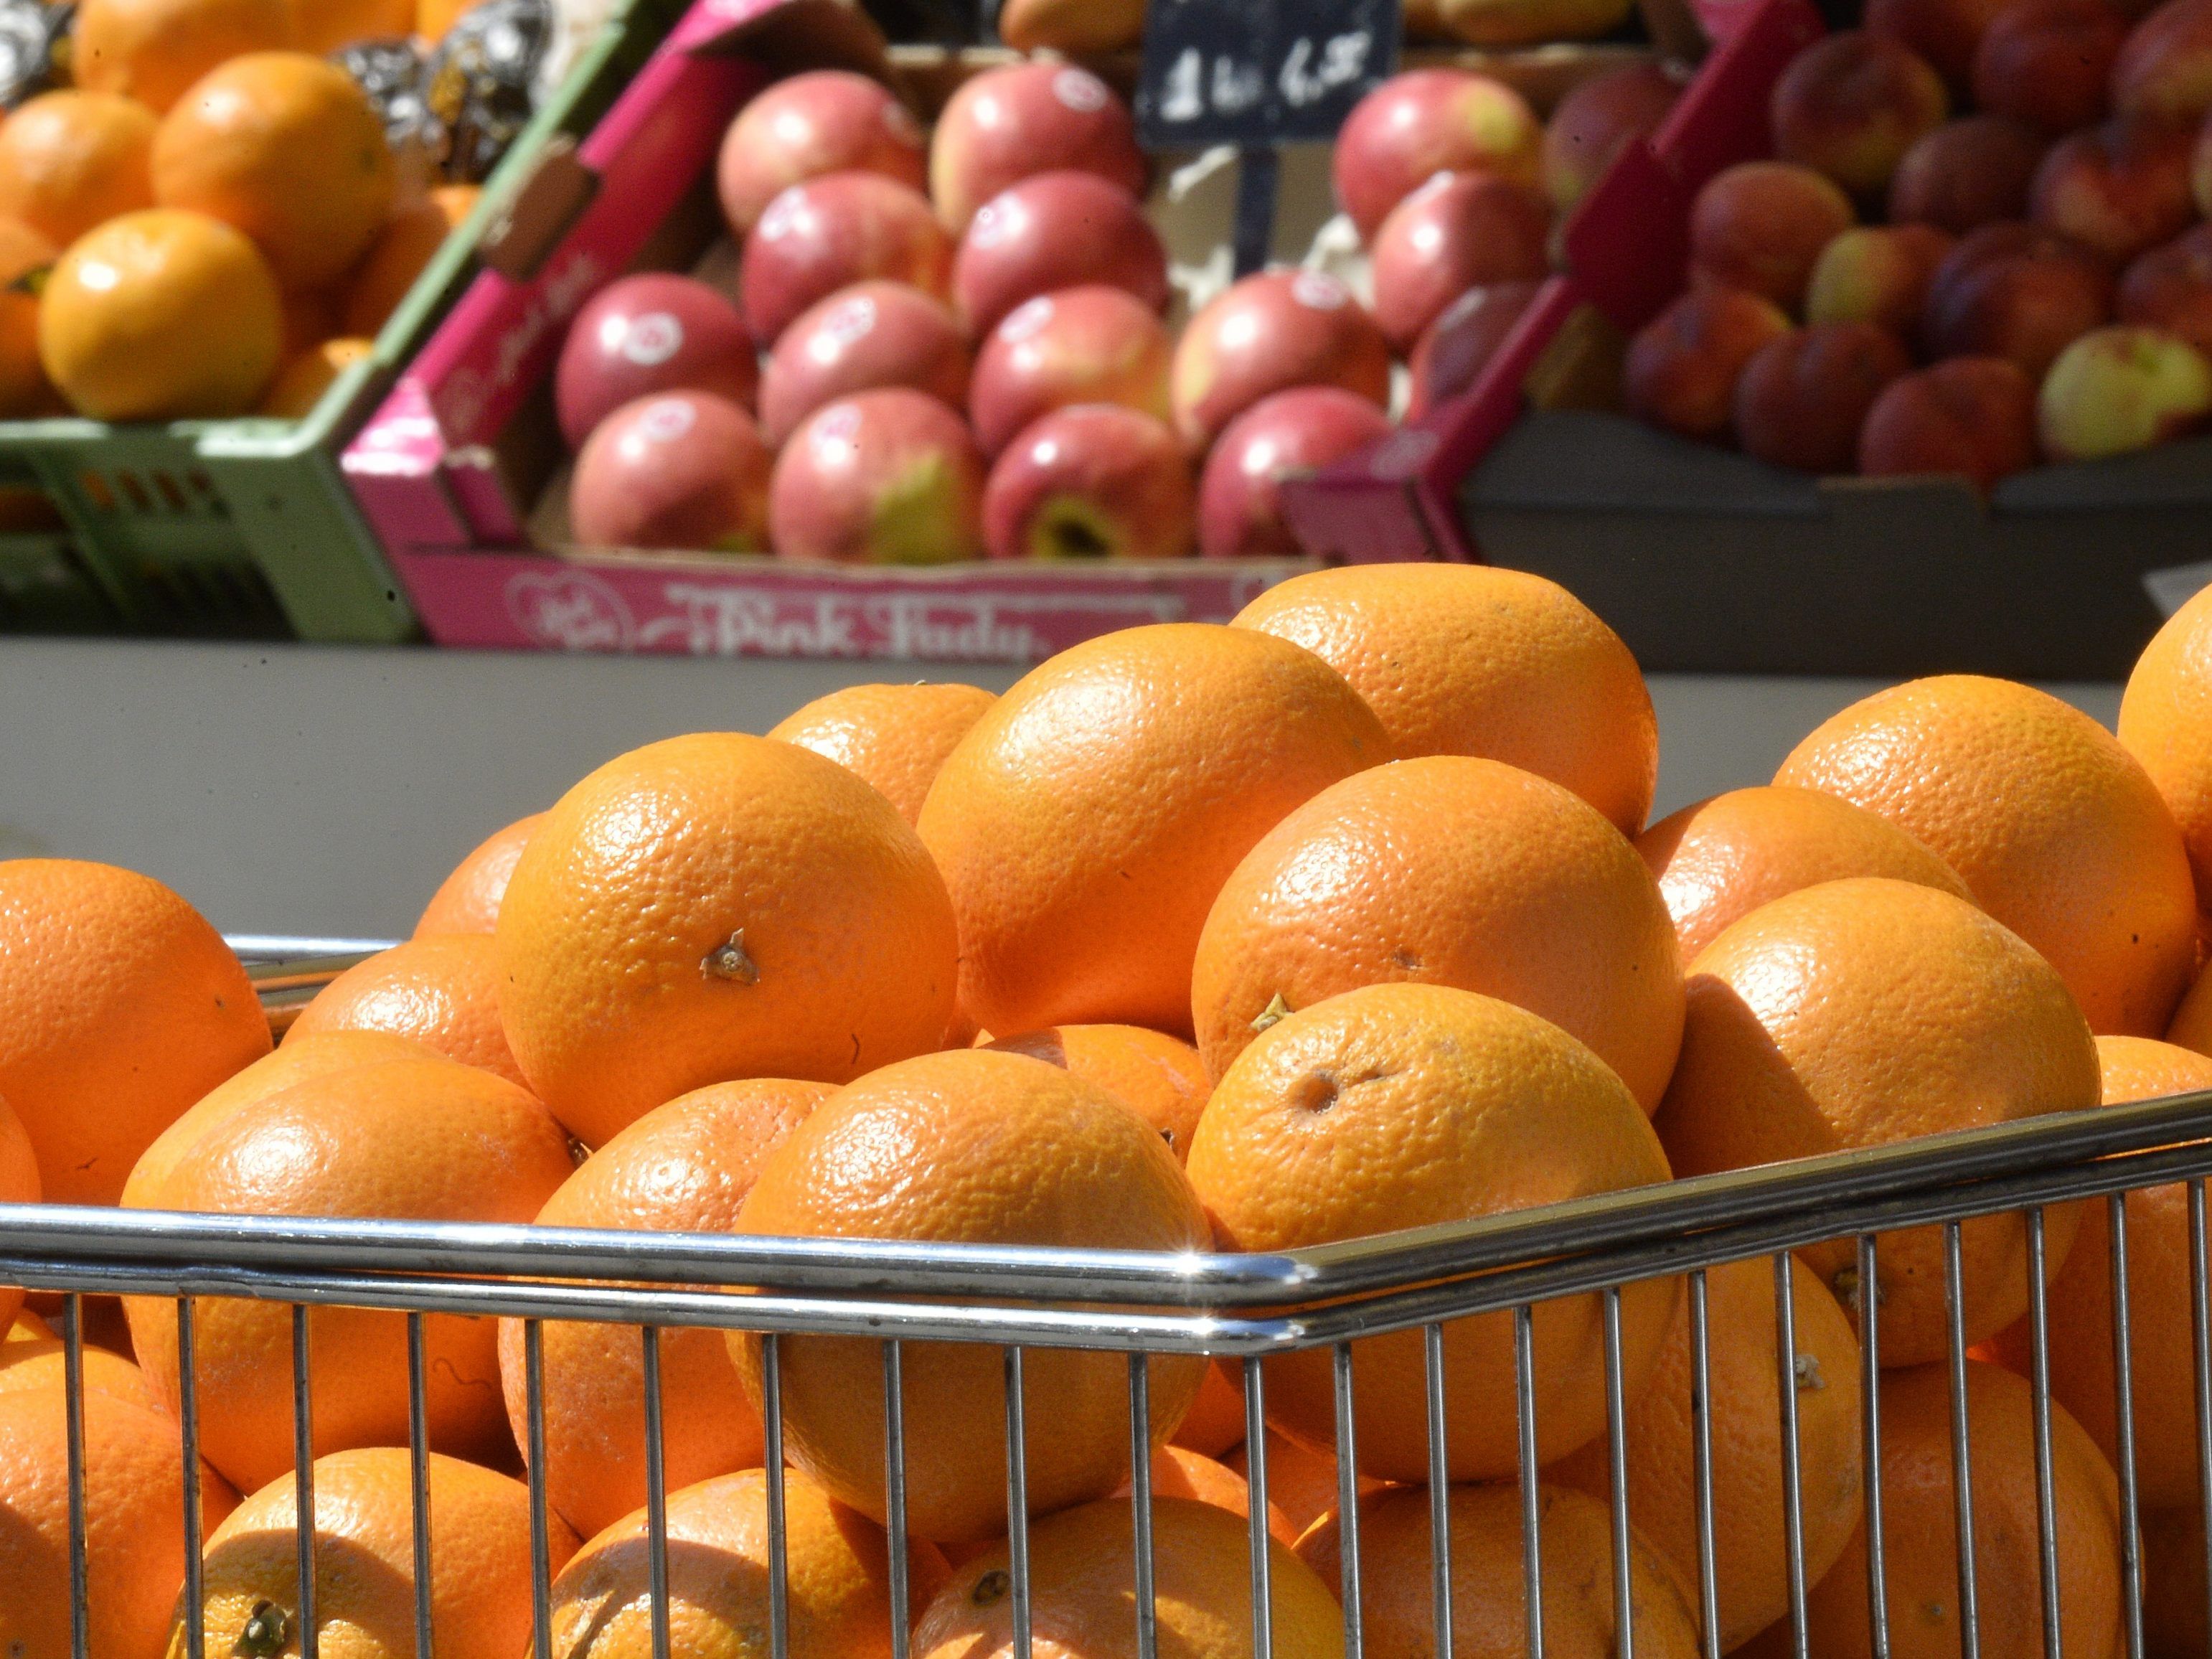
point(684, 1168)
point(42, 1363)
point(24, 389)
point(153, 49)
point(364, 1544)
point(2165, 723)
point(895, 737)
point(838, 1563)
point(441, 993)
point(160, 315)
point(1399, 1106)
point(300, 385)
point(1215, 1426)
point(324, 26)
point(70, 161)
point(19, 1184)
point(996, 1149)
point(287, 148)
point(1798, 1017)
point(2174, 1602)
point(1178, 1472)
point(713, 907)
point(1159, 1075)
point(468, 900)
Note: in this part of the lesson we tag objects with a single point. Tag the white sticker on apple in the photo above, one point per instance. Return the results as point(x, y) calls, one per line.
point(1317, 290)
point(665, 422)
point(1027, 318)
point(651, 339)
point(1080, 90)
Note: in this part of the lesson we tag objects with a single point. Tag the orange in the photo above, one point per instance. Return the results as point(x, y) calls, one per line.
point(2165, 722)
point(161, 316)
point(24, 389)
point(467, 900)
point(287, 149)
point(311, 317)
point(70, 161)
point(2191, 1027)
point(119, 1006)
point(409, 240)
point(301, 1057)
point(1401, 1106)
point(717, 907)
point(1750, 1562)
point(838, 1566)
point(2161, 1343)
point(28, 1328)
point(364, 1559)
point(441, 993)
point(2056, 830)
point(1159, 1075)
point(1301, 1484)
point(1920, 1555)
point(1178, 1472)
point(1490, 1601)
point(41, 1363)
point(1720, 859)
point(1866, 1011)
point(325, 26)
point(414, 1140)
point(433, 17)
point(19, 1184)
point(2173, 1583)
point(1215, 1425)
point(684, 1168)
point(991, 1149)
point(1448, 871)
point(1086, 822)
point(153, 50)
point(1082, 1592)
point(896, 737)
point(1470, 660)
point(300, 385)
point(134, 1524)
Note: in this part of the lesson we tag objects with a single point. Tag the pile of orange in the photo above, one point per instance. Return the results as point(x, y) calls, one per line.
point(1308, 928)
point(211, 214)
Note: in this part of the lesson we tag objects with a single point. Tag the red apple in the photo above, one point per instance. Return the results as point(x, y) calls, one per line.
point(1081, 345)
point(1683, 365)
point(2200, 169)
point(1461, 342)
point(1850, 106)
point(869, 335)
point(1876, 274)
point(830, 233)
point(888, 476)
point(1971, 172)
point(1803, 398)
point(1974, 417)
point(1761, 225)
point(2016, 291)
point(1008, 124)
point(2164, 72)
point(2171, 288)
point(1424, 122)
point(2116, 390)
point(674, 469)
point(1944, 32)
point(2049, 62)
point(2120, 188)
point(824, 121)
point(1274, 330)
point(1593, 120)
point(1055, 230)
point(649, 333)
point(1091, 480)
point(1457, 231)
point(1285, 435)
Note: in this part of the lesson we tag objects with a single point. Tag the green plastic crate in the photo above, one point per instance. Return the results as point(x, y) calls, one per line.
point(245, 528)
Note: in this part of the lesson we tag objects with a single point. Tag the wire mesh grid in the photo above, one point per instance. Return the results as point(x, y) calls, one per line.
point(1246, 1309)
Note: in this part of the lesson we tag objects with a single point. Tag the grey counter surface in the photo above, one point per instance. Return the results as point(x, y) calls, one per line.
point(303, 789)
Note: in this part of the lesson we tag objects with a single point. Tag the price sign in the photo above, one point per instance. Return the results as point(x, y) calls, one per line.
point(1254, 72)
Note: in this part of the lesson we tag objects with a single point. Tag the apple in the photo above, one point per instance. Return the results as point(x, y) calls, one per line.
point(1972, 416)
point(1803, 398)
point(1971, 172)
point(825, 233)
point(1594, 119)
point(673, 469)
point(1461, 342)
point(1457, 231)
point(1272, 331)
point(652, 332)
point(869, 335)
point(1683, 365)
point(1081, 345)
point(1761, 226)
point(1876, 274)
point(1008, 124)
point(1424, 122)
point(1944, 32)
point(2120, 188)
point(2164, 71)
point(2120, 389)
point(887, 476)
point(1286, 435)
point(2171, 288)
point(2016, 291)
point(2049, 62)
point(824, 121)
point(2200, 169)
point(1091, 480)
point(1850, 106)
point(1055, 230)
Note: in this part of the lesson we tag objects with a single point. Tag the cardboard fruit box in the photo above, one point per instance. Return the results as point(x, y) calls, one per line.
point(1710, 561)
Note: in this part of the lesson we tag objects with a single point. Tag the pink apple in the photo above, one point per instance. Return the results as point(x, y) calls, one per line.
point(1594, 119)
point(1273, 330)
point(674, 469)
point(825, 121)
point(1285, 436)
point(648, 333)
point(1081, 345)
point(1452, 355)
point(1008, 124)
point(825, 233)
point(1055, 230)
point(1458, 231)
point(869, 335)
point(1089, 481)
point(1424, 122)
point(888, 476)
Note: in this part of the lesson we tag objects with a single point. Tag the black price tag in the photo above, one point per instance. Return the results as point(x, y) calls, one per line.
point(1252, 72)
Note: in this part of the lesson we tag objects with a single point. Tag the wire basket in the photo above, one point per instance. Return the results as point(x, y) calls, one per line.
point(1246, 1307)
